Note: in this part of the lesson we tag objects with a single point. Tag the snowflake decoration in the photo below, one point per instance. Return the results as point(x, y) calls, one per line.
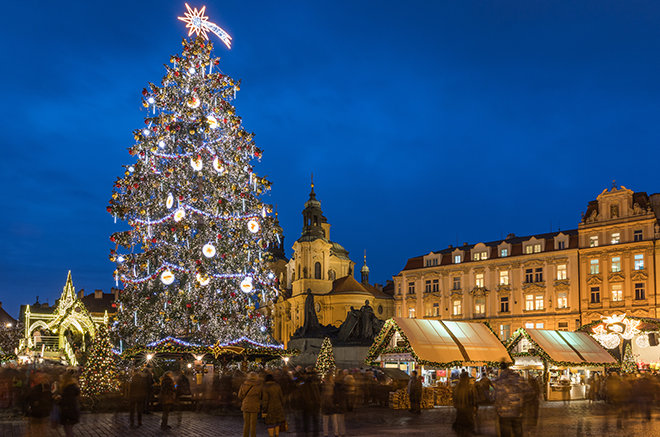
point(199, 24)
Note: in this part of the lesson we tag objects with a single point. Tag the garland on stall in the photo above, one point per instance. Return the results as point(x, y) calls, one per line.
point(379, 347)
point(520, 333)
point(588, 328)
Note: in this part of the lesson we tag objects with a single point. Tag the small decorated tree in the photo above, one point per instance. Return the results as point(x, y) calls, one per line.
point(628, 365)
point(325, 362)
point(99, 375)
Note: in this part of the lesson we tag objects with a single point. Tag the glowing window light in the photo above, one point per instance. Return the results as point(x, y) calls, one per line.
point(198, 24)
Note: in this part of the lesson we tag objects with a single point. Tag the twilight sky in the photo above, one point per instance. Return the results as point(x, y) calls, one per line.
point(426, 123)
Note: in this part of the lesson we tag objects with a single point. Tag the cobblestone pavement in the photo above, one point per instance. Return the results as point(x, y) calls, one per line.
point(578, 419)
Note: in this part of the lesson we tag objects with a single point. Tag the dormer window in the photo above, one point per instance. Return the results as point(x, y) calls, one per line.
point(479, 256)
point(457, 259)
point(533, 248)
point(504, 252)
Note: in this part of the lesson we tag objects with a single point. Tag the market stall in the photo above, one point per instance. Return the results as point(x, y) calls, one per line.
point(435, 348)
point(566, 360)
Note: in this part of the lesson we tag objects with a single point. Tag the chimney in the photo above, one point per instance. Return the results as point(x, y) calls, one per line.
point(451, 246)
point(98, 294)
point(81, 293)
point(465, 243)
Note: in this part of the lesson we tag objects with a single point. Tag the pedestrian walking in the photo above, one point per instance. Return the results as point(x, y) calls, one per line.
point(341, 402)
point(166, 398)
point(310, 398)
point(69, 403)
point(250, 396)
point(182, 395)
point(465, 402)
point(510, 391)
point(272, 406)
point(39, 405)
point(137, 395)
point(415, 393)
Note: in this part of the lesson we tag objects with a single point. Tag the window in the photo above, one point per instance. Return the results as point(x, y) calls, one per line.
point(504, 253)
point(594, 267)
point(411, 313)
point(562, 326)
point(639, 261)
point(562, 300)
point(317, 270)
point(640, 294)
point(595, 294)
point(457, 259)
point(398, 287)
point(529, 275)
point(504, 277)
point(505, 332)
point(538, 302)
point(427, 286)
point(561, 272)
point(637, 235)
point(537, 248)
point(593, 241)
point(436, 309)
point(456, 308)
point(561, 245)
point(479, 256)
point(540, 325)
point(529, 302)
point(436, 285)
point(504, 304)
point(529, 249)
point(529, 325)
point(432, 262)
point(480, 306)
point(538, 274)
point(457, 283)
point(411, 288)
point(616, 264)
point(479, 280)
point(617, 293)
point(616, 238)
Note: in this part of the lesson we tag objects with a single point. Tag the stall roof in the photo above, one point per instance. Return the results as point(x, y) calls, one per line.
point(443, 342)
point(577, 348)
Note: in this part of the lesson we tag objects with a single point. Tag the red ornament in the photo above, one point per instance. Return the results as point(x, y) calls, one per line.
point(188, 305)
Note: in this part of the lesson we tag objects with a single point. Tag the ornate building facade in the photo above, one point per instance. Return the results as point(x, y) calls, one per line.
point(558, 280)
point(323, 267)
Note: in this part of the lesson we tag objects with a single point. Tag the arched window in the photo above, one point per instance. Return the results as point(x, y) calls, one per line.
point(317, 270)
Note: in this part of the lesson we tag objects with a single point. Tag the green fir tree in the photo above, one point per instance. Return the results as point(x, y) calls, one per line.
point(99, 375)
point(325, 362)
point(628, 365)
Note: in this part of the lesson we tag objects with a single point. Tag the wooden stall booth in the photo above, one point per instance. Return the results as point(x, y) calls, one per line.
point(566, 360)
point(435, 348)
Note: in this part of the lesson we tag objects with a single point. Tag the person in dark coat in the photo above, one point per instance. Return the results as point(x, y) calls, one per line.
point(415, 393)
point(310, 402)
point(341, 403)
point(39, 405)
point(250, 396)
point(167, 396)
point(137, 395)
point(465, 402)
point(183, 393)
point(272, 405)
point(328, 403)
point(69, 403)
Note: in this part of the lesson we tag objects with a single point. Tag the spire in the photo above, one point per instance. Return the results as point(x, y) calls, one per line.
point(313, 219)
point(365, 269)
point(68, 292)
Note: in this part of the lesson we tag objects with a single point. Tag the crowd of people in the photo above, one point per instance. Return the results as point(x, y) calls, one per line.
point(317, 404)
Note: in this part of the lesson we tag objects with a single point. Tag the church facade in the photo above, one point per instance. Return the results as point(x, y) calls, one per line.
point(324, 268)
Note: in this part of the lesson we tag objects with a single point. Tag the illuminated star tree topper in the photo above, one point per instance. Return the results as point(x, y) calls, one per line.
point(199, 24)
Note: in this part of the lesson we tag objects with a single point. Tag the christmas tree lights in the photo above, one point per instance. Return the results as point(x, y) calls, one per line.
point(195, 262)
point(325, 362)
point(99, 375)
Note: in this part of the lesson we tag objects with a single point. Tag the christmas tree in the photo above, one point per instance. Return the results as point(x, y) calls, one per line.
point(194, 263)
point(99, 374)
point(628, 365)
point(325, 362)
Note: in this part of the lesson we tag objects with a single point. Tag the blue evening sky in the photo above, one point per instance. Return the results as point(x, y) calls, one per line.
point(426, 123)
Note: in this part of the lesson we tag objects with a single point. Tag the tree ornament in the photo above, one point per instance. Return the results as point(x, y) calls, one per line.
point(246, 285)
point(208, 250)
point(217, 166)
point(212, 121)
point(179, 215)
point(170, 201)
point(193, 102)
point(203, 280)
point(253, 226)
point(196, 163)
point(167, 277)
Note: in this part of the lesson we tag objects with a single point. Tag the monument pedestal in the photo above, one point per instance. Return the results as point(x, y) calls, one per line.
point(346, 357)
